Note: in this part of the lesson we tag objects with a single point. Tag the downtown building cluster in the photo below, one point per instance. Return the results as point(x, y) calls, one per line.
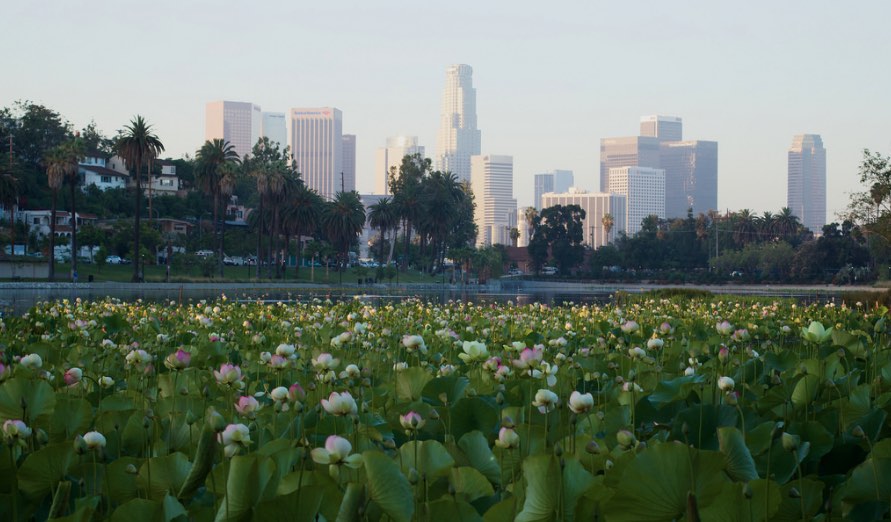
point(657, 173)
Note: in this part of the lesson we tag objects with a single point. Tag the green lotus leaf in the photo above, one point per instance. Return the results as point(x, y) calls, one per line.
point(675, 389)
point(43, 469)
point(352, 500)
point(72, 416)
point(644, 495)
point(34, 395)
point(450, 509)
point(122, 484)
point(300, 506)
point(202, 464)
point(480, 456)
point(433, 459)
point(452, 388)
point(410, 383)
point(474, 413)
point(805, 391)
point(545, 483)
point(740, 465)
point(168, 474)
point(249, 476)
point(470, 484)
point(388, 487)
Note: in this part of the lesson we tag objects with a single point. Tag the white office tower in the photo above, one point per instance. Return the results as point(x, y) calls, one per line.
point(459, 138)
point(317, 147)
point(386, 158)
point(492, 182)
point(553, 181)
point(596, 205)
point(666, 128)
point(807, 181)
point(275, 128)
point(239, 123)
point(644, 191)
point(349, 163)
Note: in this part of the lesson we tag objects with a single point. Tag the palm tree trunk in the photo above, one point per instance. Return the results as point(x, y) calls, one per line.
point(392, 245)
point(219, 222)
point(299, 235)
point(287, 254)
point(52, 241)
point(137, 216)
point(407, 240)
point(277, 251)
point(259, 234)
point(73, 232)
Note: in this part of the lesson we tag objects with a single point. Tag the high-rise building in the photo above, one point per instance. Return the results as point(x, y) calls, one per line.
point(554, 181)
point(349, 163)
point(492, 182)
point(386, 158)
point(644, 191)
point(239, 123)
point(807, 181)
point(691, 177)
point(317, 147)
point(458, 138)
point(596, 205)
point(666, 128)
point(275, 128)
point(633, 151)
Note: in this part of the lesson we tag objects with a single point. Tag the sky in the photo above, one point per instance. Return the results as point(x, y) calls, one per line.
point(552, 78)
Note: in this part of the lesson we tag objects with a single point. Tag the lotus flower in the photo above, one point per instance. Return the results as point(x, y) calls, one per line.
point(15, 432)
point(229, 375)
point(529, 358)
point(581, 402)
point(816, 333)
point(280, 394)
point(548, 372)
point(351, 372)
point(726, 384)
point(473, 351)
point(336, 451)
point(233, 438)
point(545, 400)
point(630, 327)
point(414, 342)
point(138, 358)
point(325, 362)
point(32, 361)
point(507, 439)
point(73, 376)
point(340, 404)
point(247, 406)
point(178, 360)
point(285, 350)
point(724, 328)
point(412, 421)
point(94, 440)
point(655, 343)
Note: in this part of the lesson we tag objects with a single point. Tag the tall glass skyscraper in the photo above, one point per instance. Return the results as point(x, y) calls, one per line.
point(669, 128)
point(691, 177)
point(317, 147)
point(557, 181)
point(807, 181)
point(459, 138)
point(492, 183)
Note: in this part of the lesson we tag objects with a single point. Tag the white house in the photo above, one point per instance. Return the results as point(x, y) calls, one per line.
point(164, 182)
point(94, 171)
point(38, 222)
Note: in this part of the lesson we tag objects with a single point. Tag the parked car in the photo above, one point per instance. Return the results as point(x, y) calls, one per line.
point(234, 261)
point(515, 272)
point(549, 270)
point(204, 253)
point(114, 260)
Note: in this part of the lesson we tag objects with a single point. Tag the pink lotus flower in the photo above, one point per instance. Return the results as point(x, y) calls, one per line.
point(178, 360)
point(529, 358)
point(229, 375)
point(247, 406)
point(73, 376)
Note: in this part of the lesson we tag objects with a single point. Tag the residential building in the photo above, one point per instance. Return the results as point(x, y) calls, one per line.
point(349, 163)
point(666, 128)
point(317, 147)
point(459, 138)
point(164, 181)
point(632, 151)
point(806, 195)
point(390, 157)
point(92, 170)
point(553, 181)
point(38, 222)
point(644, 191)
point(492, 182)
point(239, 123)
point(275, 128)
point(691, 177)
point(596, 205)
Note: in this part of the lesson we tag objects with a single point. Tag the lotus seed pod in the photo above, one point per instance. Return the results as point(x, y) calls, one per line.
point(790, 442)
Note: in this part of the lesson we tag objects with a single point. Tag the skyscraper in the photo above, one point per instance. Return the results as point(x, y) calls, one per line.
point(239, 123)
point(391, 156)
point(666, 128)
point(459, 138)
point(275, 128)
point(596, 205)
point(691, 177)
point(644, 191)
point(555, 181)
point(492, 182)
point(807, 181)
point(349, 163)
point(633, 151)
point(317, 147)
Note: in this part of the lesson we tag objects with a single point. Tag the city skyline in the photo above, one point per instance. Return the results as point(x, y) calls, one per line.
point(746, 79)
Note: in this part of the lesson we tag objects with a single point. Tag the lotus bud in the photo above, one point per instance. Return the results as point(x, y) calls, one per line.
point(747, 491)
point(190, 417)
point(790, 442)
point(685, 428)
point(592, 447)
point(608, 465)
point(499, 399)
point(858, 432)
point(413, 476)
point(625, 438)
point(131, 469)
point(42, 437)
point(214, 420)
point(80, 447)
point(434, 415)
point(443, 398)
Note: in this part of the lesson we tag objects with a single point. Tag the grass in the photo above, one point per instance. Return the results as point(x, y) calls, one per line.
point(192, 274)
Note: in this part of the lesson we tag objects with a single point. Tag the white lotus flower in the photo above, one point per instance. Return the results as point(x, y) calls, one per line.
point(581, 402)
point(94, 440)
point(233, 438)
point(31, 361)
point(545, 400)
point(507, 439)
point(726, 384)
point(340, 404)
point(473, 351)
point(337, 451)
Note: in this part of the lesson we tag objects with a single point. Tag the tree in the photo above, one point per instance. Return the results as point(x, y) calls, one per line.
point(9, 195)
point(54, 160)
point(558, 229)
point(303, 208)
point(382, 216)
point(215, 173)
point(405, 188)
point(342, 222)
point(138, 145)
point(71, 154)
point(608, 222)
point(514, 236)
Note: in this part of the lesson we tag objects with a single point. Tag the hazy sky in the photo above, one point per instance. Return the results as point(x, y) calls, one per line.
point(551, 78)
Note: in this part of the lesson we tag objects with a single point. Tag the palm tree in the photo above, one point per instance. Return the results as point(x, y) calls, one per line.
point(608, 222)
point(440, 193)
point(767, 225)
point(54, 160)
point(72, 152)
point(383, 216)
point(342, 221)
point(514, 235)
point(786, 224)
point(215, 175)
point(529, 215)
point(301, 215)
point(138, 145)
point(744, 227)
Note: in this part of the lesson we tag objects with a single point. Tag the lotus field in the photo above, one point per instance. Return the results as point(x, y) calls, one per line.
point(659, 409)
